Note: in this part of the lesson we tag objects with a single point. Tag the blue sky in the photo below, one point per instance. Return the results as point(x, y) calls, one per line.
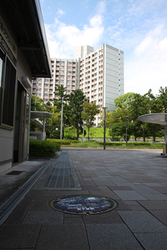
point(138, 27)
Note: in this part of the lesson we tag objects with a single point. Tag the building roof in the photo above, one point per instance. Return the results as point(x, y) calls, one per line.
point(27, 25)
point(40, 114)
point(158, 118)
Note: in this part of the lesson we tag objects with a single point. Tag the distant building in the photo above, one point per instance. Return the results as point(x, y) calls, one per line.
point(64, 72)
point(98, 73)
point(23, 55)
point(102, 77)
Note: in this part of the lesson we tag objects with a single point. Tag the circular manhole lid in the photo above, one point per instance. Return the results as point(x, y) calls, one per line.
point(83, 204)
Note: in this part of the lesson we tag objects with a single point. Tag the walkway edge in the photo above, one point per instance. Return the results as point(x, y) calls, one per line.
point(10, 204)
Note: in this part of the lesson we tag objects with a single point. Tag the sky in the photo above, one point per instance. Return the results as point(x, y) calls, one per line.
point(138, 27)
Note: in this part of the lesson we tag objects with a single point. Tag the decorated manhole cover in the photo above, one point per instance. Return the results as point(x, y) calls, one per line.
point(83, 204)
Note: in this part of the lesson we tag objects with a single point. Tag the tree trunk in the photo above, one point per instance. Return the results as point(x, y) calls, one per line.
point(144, 139)
point(154, 138)
point(77, 133)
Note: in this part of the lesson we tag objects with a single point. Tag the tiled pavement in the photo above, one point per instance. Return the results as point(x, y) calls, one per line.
point(135, 179)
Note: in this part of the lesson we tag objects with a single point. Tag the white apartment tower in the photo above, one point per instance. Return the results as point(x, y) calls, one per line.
point(102, 76)
point(98, 73)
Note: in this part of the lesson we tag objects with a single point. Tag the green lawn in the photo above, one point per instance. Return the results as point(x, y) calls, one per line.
point(93, 133)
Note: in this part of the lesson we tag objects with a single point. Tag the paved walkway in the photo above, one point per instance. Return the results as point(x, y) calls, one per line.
point(135, 179)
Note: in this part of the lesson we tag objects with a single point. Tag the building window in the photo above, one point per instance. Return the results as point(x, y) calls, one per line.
point(7, 90)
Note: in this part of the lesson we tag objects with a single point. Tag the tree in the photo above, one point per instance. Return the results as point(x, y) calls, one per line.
point(162, 99)
point(37, 104)
point(62, 97)
point(53, 123)
point(88, 115)
point(76, 100)
point(119, 130)
point(124, 101)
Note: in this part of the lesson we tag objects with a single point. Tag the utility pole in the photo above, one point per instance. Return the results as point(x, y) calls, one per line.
point(104, 108)
point(61, 118)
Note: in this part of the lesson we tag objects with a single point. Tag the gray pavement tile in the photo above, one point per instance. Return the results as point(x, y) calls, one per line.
point(153, 241)
point(76, 192)
point(114, 236)
point(105, 193)
point(160, 197)
point(57, 193)
point(119, 181)
point(41, 203)
point(161, 215)
point(43, 217)
point(142, 189)
point(71, 221)
point(160, 189)
point(150, 205)
point(63, 237)
point(39, 192)
point(142, 221)
point(154, 184)
point(22, 236)
point(122, 205)
point(87, 183)
point(90, 188)
point(102, 174)
point(18, 214)
point(111, 217)
point(106, 182)
point(129, 195)
point(120, 188)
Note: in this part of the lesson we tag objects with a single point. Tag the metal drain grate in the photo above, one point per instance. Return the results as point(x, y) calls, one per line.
point(14, 172)
point(83, 204)
point(63, 175)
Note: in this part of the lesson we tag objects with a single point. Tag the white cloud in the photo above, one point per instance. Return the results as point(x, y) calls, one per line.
point(60, 12)
point(63, 38)
point(147, 69)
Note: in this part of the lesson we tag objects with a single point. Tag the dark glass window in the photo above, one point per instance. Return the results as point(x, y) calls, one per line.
point(2, 57)
point(8, 94)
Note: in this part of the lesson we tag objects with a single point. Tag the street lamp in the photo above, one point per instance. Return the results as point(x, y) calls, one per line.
point(126, 130)
point(104, 108)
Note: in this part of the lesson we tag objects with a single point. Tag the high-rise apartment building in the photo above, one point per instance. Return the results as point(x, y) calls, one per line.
point(98, 73)
point(64, 72)
point(102, 76)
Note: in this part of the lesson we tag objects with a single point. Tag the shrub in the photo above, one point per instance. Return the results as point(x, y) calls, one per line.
point(43, 148)
point(63, 141)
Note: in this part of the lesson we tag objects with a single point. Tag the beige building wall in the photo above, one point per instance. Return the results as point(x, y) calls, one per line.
point(102, 77)
point(64, 72)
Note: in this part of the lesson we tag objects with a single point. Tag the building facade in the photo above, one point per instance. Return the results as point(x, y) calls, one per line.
point(98, 73)
point(64, 72)
point(23, 55)
point(102, 77)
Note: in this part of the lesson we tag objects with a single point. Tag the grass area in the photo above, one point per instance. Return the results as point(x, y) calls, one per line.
point(93, 133)
point(130, 145)
point(97, 144)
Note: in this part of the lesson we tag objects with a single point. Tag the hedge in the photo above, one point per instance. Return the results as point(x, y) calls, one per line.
point(40, 148)
point(62, 141)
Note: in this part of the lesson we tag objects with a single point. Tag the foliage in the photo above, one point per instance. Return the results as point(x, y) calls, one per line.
point(63, 141)
point(37, 104)
point(119, 130)
point(88, 114)
point(62, 98)
point(40, 148)
point(76, 100)
point(53, 123)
